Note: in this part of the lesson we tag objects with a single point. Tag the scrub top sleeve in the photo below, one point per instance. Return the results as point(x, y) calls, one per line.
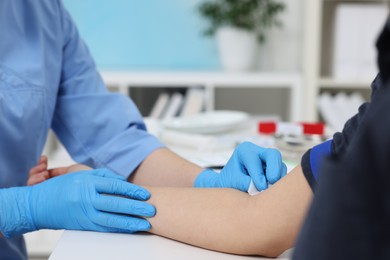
point(98, 128)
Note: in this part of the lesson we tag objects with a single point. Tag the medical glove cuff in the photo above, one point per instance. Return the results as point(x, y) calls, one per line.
point(206, 179)
point(15, 212)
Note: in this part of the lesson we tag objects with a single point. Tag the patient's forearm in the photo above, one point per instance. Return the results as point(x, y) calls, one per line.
point(164, 168)
point(231, 221)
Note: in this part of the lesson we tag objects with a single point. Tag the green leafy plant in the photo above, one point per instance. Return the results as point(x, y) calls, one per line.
point(251, 15)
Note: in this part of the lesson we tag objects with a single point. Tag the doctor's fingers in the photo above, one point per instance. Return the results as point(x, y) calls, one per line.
point(255, 168)
point(275, 168)
point(121, 188)
point(283, 170)
point(106, 173)
point(121, 205)
point(108, 222)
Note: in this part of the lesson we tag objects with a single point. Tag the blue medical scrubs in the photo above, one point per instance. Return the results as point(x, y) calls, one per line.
point(49, 80)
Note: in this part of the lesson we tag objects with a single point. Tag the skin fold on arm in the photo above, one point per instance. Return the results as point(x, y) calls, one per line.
point(231, 221)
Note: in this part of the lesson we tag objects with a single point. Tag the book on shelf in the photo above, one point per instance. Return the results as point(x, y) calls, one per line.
point(193, 102)
point(328, 112)
point(337, 110)
point(160, 105)
point(174, 106)
point(357, 26)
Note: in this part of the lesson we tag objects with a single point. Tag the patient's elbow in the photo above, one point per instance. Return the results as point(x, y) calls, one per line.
point(273, 252)
point(274, 246)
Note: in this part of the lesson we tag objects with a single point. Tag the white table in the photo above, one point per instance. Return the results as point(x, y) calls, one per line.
point(98, 246)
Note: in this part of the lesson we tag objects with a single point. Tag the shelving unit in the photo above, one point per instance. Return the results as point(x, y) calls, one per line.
point(222, 89)
point(330, 83)
point(318, 49)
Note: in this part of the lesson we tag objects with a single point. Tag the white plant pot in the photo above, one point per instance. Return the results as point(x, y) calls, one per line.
point(237, 49)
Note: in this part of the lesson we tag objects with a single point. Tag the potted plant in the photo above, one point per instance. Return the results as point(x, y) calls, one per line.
point(239, 25)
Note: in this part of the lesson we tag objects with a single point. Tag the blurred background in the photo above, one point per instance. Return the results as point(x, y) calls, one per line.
point(284, 60)
point(168, 35)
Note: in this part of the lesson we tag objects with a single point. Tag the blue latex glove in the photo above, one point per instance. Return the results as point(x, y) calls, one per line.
point(76, 201)
point(248, 161)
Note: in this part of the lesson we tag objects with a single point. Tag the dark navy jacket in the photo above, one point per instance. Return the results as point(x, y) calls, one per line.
point(350, 214)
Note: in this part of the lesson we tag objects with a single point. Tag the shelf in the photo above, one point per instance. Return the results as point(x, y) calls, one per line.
point(215, 79)
point(213, 82)
point(356, 1)
point(319, 33)
point(330, 83)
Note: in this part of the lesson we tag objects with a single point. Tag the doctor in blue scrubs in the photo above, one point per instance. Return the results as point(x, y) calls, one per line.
point(49, 80)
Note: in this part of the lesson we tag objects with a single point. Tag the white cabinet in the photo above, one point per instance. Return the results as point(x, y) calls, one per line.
point(319, 33)
point(256, 93)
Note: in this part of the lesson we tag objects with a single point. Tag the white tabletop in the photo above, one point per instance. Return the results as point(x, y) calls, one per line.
point(98, 246)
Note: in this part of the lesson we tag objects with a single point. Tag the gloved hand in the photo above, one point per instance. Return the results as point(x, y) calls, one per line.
point(248, 161)
point(76, 201)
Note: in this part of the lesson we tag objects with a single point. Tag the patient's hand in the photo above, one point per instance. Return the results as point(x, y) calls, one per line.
point(40, 173)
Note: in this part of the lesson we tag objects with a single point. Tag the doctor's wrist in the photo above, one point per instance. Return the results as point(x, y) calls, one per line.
point(16, 216)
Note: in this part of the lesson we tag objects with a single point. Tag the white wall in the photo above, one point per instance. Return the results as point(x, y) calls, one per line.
point(282, 50)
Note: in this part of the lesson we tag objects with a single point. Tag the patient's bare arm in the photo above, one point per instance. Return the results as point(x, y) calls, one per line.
point(228, 220)
point(231, 221)
point(165, 168)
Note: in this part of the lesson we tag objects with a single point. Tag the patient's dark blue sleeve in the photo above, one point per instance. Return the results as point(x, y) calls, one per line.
point(336, 147)
point(349, 215)
point(350, 212)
